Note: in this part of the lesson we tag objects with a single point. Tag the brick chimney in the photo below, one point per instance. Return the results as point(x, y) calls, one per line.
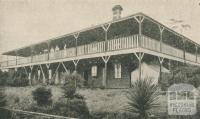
point(117, 9)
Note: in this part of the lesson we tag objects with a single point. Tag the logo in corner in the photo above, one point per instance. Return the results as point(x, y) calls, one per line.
point(182, 99)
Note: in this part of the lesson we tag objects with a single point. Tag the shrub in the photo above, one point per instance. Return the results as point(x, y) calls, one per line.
point(3, 77)
point(72, 104)
point(69, 89)
point(42, 96)
point(142, 98)
point(76, 108)
point(20, 81)
point(72, 81)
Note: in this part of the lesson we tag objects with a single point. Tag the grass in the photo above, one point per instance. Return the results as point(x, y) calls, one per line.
point(98, 100)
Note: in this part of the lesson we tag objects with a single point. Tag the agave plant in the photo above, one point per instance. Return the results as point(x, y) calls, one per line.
point(143, 97)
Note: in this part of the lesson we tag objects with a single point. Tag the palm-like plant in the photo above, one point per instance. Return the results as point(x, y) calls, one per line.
point(143, 96)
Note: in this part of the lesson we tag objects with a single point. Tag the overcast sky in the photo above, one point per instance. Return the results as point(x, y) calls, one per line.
point(23, 22)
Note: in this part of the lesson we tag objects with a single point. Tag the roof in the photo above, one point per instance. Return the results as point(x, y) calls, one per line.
point(100, 25)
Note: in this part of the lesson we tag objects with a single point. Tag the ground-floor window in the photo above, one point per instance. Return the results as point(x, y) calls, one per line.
point(94, 70)
point(118, 70)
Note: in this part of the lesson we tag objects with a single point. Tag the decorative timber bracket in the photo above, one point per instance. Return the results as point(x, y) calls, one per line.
point(75, 63)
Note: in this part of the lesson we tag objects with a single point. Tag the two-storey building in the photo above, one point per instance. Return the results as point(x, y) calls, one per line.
point(105, 54)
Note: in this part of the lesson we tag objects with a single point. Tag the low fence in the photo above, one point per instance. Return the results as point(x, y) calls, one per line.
point(6, 113)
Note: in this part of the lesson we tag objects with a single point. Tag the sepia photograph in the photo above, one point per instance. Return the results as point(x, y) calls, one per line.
point(99, 59)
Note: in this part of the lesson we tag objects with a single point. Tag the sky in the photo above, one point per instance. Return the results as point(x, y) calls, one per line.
point(24, 22)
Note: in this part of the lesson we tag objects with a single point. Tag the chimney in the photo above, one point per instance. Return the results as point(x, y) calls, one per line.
point(117, 9)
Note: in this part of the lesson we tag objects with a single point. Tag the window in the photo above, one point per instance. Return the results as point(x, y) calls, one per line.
point(117, 70)
point(94, 70)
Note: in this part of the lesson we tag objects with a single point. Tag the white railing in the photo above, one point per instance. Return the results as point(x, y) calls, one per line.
point(198, 58)
point(96, 47)
point(172, 51)
point(112, 44)
point(4, 64)
point(123, 43)
point(40, 58)
point(24, 60)
point(62, 54)
point(190, 57)
point(11, 62)
point(71, 52)
point(154, 45)
point(150, 43)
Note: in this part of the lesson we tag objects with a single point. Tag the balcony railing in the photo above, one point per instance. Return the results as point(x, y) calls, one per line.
point(96, 47)
point(150, 43)
point(123, 43)
point(40, 58)
point(62, 54)
point(112, 45)
point(11, 62)
point(4, 64)
point(24, 60)
point(190, 57)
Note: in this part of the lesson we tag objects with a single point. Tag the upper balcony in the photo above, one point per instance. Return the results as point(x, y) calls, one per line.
point(129, 44)
point(136, 33)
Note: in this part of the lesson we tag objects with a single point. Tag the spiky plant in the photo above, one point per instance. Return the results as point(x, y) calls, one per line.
point(143, 97)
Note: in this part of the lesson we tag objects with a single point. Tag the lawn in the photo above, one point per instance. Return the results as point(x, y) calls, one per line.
point(98, 100)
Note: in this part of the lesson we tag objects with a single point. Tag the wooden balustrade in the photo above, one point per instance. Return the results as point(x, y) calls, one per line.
point(4, 64)
point(62, 54)
point(11, 62)
point(150, 43)
point(172, 51)
point(40, 58)
point(24, 60)
point(113, 44)
point(154, 45)
point(123, 43)
point(198, 58)
point(96, 47)
point(190, 57)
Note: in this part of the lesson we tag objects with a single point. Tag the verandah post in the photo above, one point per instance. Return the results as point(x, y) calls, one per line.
point(140, 56)
point(75, 66)
point(161, 36)
point(104, 81)
point(161, 59)
point(76, 35)
point(139, 19)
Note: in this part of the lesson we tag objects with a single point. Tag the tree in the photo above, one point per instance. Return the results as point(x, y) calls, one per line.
point(142, 98)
